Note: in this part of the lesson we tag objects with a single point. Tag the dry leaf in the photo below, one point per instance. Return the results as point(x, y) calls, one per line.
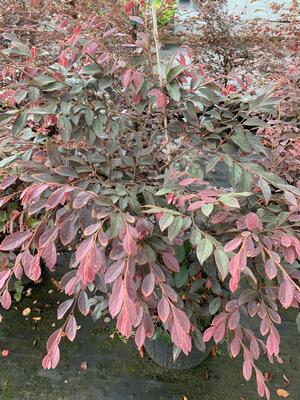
point(286, 379)
point(5, 353)
point(184, 398)
point(37, 318)
point(84, 365)
point(268, 377)
point(142, 352)
point(1, 318)
point(282, 393)
point(26, 312)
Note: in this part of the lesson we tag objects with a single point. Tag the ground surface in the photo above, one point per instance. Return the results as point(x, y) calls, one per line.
point(115, 371)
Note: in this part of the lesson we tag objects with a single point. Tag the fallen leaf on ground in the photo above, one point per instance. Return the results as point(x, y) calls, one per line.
point(5, 353)
point(141, 352)
point(184, 398)
point(286, 379)
point(26, 312)
point(268, 377)
point(1, 318)
point(37, 318)
point(282, 393)
point(84, 365)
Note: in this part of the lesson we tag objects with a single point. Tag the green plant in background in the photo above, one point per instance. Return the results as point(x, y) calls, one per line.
point(166, 11)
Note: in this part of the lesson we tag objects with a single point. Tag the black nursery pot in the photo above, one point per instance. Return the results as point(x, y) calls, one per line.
point(161, 353)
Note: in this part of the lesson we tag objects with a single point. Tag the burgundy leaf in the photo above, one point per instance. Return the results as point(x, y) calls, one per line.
point(271, 269)
point(6, 182)
point(129, 244)
point(15, 240)
point(82, 199)
point(252, 221)
point(57, 197)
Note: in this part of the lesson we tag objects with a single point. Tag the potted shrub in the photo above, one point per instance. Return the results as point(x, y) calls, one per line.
point(105, 156)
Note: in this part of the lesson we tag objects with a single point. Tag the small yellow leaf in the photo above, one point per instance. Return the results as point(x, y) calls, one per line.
point(84, 365)
point(37, 318)
point(282, 393)
point(26, 312)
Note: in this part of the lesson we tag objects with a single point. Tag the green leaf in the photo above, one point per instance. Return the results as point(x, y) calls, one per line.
point(89, 116)
point(7, 160)
point(181, 277)
point(204, 250)
point(229, 201)
point(212, 163)
point(207, 209)
point(265, 188)
point(50, 109)
point(214, 305)
point(195, 237)
point(174, 91)
point(42, 80)
point(19, 123)
point(222, 262)
point(175, 228)
point(65, 128)
point(115, 225)
point(165, 221)
point(174, 72)
point(91, 69)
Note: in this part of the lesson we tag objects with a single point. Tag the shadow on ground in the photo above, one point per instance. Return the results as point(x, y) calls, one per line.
point(115, 371)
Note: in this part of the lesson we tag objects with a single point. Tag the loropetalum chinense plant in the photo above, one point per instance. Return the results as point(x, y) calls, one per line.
point(104, 156)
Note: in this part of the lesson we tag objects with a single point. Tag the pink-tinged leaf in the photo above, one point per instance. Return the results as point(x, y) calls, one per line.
point(51, 360)
point(247, 369)
point(140, 336)
point(15, 240)
point(91, 229)
point(261, 386)
point(136, 19)
point(254, 349)
point(265, 326)
point(208, 334)
point(84, 248)
point(271, 269)
point(90, 48)
point(124, 324)
point(196, 205)
point(234, 320)
point(63, 308)
point(6, 199)
point(275, 317)
point(163, 309)
point(34, 272)
point(169, 292)
point(252, 308)
point(171, 262)
point(116, 299)
point(50, 255)
point(83, 303)
point(219, 333)
point(252, 221)
point(286, 293)
point(3, 277)
point(6, 182)
point(148, 284)
point(82, 199)
point(235, 346)
point(137, 80)
point(103, 239)
point(180, 338)
point(57, 197)
point(129, 244)
point(71, 328)
point(127, 78)
point(27, 260)
point(233, 244)
point(161, 98)
point(272, 344)
point(286, 241)
point(109, 32)
point(114, 271)
point(219, 217)
point(6, 299)
point(67, 232)
point(289, 254)
point(182, 319)
point(236, 265)
point(188, 181)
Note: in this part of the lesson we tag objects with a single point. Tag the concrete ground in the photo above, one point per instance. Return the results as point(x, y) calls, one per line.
point(98, 367)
